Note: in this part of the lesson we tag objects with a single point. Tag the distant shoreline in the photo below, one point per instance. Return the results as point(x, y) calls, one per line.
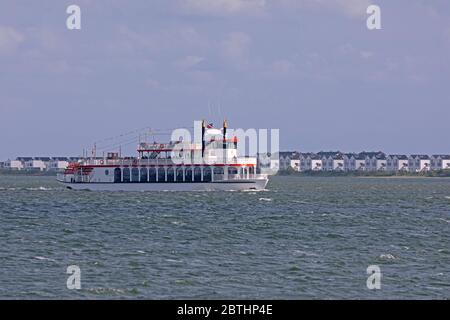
point(403, 177)
point(27, 173)
point(376, 174)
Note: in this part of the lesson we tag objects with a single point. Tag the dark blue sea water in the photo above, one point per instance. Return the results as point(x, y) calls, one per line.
point(304, 238)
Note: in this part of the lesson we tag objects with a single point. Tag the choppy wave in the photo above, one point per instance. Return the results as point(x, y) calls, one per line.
point(387, 257)
point(112, 291)
point(44, 259)
point(287, 242)
point(41, 188)
point(254, 191)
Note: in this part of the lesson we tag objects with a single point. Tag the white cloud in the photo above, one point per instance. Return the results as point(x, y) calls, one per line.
point(282, 67)
point(152, 84)
point(235, 48)
point(224, 7)
point(354, 8)
point(132, 40)
point(163, 40)
point(350, 7)
point(366, 54)
point(202, 77)
point(188, 62)
point(349, 50)
point(10, 39)
point(346, 49)
point(447, 35)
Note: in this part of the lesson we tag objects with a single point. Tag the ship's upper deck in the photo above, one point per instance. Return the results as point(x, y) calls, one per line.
point(142, 162)
point(215, 148)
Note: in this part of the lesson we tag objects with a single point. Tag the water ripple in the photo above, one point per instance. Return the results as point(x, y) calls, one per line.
point(300, 238)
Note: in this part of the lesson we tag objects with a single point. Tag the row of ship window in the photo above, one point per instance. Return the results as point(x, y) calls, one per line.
point(172, 174)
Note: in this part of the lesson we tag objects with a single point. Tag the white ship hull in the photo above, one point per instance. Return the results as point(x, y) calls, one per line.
point(257, 184)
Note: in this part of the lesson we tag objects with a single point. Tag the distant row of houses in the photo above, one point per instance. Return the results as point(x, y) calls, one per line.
point(38, 163)
point(363, 161)
point(298, 161)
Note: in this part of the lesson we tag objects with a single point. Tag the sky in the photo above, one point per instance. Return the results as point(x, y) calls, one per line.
point(310, 68)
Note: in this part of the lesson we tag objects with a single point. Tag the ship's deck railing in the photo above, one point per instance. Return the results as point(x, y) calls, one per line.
point(145, 147)
point(165, 161)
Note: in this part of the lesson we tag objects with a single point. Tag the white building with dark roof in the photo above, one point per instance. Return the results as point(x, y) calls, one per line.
point(374, 161)
point(440, 162)
point(331, 160)
point(58, 163)
point(397, 162)
point(316, 163)
point(338, 162)
point(14, 164)
point(310, 162)
point(295, 162)
point(286, 157)
point(419, 163)
point(354, 162)
point(35, 163)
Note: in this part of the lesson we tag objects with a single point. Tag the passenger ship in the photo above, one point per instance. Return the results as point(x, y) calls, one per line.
point(212, 164)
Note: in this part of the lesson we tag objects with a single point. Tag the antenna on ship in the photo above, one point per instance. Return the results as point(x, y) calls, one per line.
point(203, 137)
point(224, 143)
point(225, 126)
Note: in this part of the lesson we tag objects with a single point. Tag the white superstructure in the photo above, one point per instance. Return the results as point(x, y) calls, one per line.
point(212, 164)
